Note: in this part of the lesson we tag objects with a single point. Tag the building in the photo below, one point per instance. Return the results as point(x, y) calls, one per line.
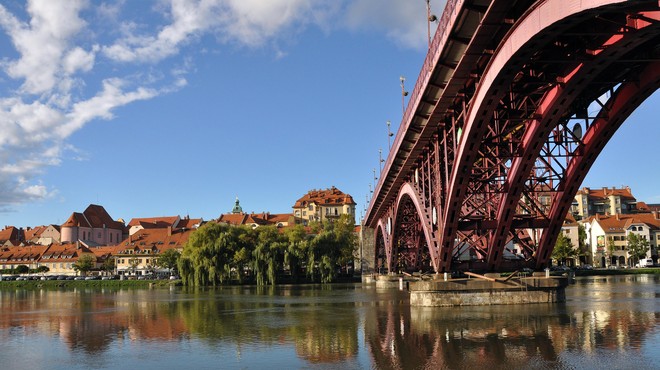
point(138, 255)
point(607, 236)
point(237, 217)
point(11, 236)
point(94, 226)
point(320, 205)
point(175, 222)
point(605, 201)
point(44, 235)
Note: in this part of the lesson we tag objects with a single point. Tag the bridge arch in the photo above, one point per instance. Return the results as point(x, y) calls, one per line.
point(412, 242)
point(492, 125)
point(382, 252)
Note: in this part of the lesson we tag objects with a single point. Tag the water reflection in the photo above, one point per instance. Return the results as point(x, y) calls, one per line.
point(606, 322)
point(603, 318)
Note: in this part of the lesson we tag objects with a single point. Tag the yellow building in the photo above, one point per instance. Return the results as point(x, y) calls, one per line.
point(319, 205)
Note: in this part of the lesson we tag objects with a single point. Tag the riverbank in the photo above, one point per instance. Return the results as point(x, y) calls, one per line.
point(142, 284)
point(626, 271)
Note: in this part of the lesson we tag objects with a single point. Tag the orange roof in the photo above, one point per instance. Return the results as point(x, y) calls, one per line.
point(604, 193)
point(25, 253)
point(94, 216)
point(189, 223)
point(34, 232)
point(10, 233)
point(261, 219)
point(332, 196)
point(233, 218)
point(68, 252)
point(161, 239)
point(165, 221)
point(621, 222)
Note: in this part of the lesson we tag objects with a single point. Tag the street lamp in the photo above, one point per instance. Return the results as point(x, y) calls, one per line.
point(380, 160)
point(431, 18)
point(404, 93)
point(389, 135)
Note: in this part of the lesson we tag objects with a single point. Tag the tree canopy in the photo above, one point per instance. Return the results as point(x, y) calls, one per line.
point(564, 249)
point(85, 263)
point(218, 254)
point(638, 246)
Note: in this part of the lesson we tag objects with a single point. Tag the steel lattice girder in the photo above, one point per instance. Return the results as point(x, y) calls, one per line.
point(484, 193)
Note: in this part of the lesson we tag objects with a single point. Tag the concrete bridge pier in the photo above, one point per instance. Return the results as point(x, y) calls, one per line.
point(486, 291)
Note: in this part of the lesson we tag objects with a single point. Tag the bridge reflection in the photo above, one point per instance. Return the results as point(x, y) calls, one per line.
point(341, 326)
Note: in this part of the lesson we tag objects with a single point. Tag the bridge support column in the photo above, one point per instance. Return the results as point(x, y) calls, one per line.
point(367, 254)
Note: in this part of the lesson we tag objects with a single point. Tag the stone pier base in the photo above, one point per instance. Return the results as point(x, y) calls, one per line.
point(477, 292)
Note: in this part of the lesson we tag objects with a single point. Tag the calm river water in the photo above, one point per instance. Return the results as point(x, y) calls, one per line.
point(606, 323)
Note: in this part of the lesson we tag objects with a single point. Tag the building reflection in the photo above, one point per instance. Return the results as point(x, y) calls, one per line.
point(330, 326)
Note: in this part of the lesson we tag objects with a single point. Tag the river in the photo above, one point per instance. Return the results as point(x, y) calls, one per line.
point(607, 322)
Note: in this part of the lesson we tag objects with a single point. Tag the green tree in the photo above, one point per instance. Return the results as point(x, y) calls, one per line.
point(169, 260)
point(208, 257)
point(133, 264)
point(331, 249)
point(268, 254)
point(108, 265)
point(564, 249)
point(22, 269)
point(85, 263)
point(296, 249)
point(638, 246)
point(42, 269)
point(611, 247)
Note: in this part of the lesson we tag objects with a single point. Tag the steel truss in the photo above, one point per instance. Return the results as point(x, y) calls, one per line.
point(497, 169)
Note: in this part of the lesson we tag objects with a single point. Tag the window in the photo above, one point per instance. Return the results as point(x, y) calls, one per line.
point(110, 238)
point(311, 207)
point(99, 235)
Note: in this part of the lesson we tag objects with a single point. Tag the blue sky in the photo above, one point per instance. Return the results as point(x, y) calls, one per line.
point(160, 108)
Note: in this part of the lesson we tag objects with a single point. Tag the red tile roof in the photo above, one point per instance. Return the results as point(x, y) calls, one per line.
point(261, 219)
point(163, 221)
point(621, 222)
point(604, 193)
point(10, 233)
point(94, 216)
point(161, 239)
point(332, 196)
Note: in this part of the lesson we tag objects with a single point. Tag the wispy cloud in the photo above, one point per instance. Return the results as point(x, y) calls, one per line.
point(54, 84)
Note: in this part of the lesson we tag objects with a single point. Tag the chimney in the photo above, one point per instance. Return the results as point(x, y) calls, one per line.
point(169, 230)
point(77, 244)
point(605, 190)
point(655, 215)
point(618, 218)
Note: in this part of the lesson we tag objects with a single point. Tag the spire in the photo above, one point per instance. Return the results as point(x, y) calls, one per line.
point(237, 207)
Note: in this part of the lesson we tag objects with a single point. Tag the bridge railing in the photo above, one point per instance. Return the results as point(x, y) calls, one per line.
point(440, 37)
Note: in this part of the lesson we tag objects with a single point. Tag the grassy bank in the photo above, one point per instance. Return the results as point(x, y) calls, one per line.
point(608, 272)
point(33, 284)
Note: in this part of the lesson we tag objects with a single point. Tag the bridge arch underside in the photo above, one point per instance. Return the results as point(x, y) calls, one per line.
point(381, 255)
point(410, 251)
point(524, 133)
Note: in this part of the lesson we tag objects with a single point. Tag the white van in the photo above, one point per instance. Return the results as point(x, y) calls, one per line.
point(645, 262)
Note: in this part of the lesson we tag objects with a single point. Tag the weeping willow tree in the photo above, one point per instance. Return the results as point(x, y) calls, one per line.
point(332, 248)
point(268, 254)
point(297, 247)
point(213, 255)
point(216, 254)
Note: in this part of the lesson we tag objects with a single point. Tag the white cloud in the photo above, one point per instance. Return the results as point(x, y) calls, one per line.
point(67, 73)
point(42, 42)
point(405, 22)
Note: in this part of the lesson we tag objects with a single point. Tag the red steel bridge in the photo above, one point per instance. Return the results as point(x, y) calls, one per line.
point(514, 102)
